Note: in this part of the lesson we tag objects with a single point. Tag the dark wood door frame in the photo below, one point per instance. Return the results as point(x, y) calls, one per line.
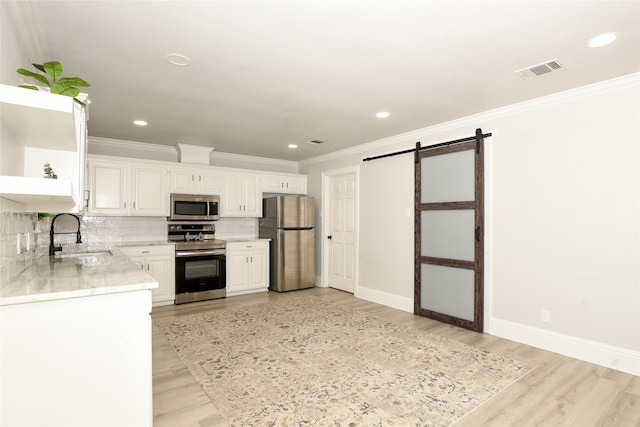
point(477, 265)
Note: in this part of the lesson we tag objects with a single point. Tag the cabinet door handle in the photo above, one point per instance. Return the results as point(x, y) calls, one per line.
point(125, 205)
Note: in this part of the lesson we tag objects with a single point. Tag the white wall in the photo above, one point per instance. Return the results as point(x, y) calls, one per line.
point(563, 228)
point(13, 54)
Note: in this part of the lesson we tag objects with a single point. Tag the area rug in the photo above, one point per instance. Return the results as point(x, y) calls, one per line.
point(306, 362)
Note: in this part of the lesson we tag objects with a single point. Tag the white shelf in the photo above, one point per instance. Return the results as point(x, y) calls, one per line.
point(39, 119)
point(39, 194)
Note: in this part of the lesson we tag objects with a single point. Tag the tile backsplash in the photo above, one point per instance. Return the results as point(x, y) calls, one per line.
point(23, 239)
point(19, 239)
point(237, 228)
point(117, 229)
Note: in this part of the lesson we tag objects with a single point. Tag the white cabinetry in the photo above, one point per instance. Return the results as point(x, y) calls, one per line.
point(80, 361)
point(242, 195)
point(188, 180)
point(286, 184)
point(247, 267)
point(39, 127)
point(159, 262)
point(127, 188)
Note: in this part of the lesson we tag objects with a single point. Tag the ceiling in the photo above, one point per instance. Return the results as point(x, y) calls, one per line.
point(265, 74)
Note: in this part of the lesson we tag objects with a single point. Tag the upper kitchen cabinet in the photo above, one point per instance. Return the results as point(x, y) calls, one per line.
point(188, 180)
point(285, 184)
point(242, 195)
point(38, 127)
point(123, 188)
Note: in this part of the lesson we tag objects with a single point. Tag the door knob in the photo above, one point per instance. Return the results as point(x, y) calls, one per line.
point(329, 237)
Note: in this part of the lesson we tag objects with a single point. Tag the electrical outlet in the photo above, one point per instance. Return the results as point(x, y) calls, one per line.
point(545, 316)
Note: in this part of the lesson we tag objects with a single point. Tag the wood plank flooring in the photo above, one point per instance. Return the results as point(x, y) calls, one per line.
point(561, 391)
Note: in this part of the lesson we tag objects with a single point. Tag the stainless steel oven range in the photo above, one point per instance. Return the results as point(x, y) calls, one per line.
point(200, 261)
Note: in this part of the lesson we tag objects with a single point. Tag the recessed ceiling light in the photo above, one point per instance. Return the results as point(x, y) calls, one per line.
point(178, 59)
point(140, 122)
point(602, 40)
point(292, 145)
point(382, 115)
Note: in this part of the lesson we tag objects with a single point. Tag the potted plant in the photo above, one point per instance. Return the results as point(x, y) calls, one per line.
point(50, 76)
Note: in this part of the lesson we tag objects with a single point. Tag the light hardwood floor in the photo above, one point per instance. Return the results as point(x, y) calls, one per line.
point(561, 391)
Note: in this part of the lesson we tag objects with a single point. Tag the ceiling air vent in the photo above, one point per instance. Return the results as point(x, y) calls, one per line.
point(538, 70)
point(316, 142)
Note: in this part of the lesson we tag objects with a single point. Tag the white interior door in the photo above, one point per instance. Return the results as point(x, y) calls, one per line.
point(340, 231)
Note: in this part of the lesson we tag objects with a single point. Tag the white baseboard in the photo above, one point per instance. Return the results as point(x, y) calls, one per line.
point(618, 358)
point(385, 298)
point(609, 356)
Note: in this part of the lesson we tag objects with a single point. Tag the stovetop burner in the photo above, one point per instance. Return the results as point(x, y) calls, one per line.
point(194, 236)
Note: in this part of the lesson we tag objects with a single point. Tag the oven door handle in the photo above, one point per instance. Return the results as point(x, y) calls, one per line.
point(198, 253)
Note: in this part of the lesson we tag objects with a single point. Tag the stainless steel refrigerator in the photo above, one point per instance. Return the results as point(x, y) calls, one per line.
point(289, 221)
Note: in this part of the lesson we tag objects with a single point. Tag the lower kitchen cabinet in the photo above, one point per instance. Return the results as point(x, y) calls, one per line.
point(77, 361)
point(247, 267)
point(159, 262)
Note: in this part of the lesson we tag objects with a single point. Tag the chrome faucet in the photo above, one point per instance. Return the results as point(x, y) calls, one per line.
point(52, 248)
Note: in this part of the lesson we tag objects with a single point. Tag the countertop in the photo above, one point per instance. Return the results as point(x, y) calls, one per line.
point(79, 271)
point(144, 243)
point(247, 240)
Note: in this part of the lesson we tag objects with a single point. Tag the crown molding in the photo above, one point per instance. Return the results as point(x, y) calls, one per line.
point(131, 145)
point(120, 144)
point(472, 121)
point(255, 159)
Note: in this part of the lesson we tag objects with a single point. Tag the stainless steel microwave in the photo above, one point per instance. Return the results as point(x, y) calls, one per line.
point(190, 207)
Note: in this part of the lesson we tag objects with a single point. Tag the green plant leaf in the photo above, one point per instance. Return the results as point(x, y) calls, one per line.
point(53, 68)
point(42, 79)
point(80, 102)
point(29, 87)
point(74, 81)
point(39, 67)
point(65, 89)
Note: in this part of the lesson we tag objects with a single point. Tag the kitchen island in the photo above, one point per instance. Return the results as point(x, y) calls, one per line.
point(75, 341)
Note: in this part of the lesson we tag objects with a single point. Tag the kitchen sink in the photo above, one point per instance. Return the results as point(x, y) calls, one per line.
point(105, 252)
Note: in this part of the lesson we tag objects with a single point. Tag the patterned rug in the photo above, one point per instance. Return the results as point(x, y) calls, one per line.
point(306, 362)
